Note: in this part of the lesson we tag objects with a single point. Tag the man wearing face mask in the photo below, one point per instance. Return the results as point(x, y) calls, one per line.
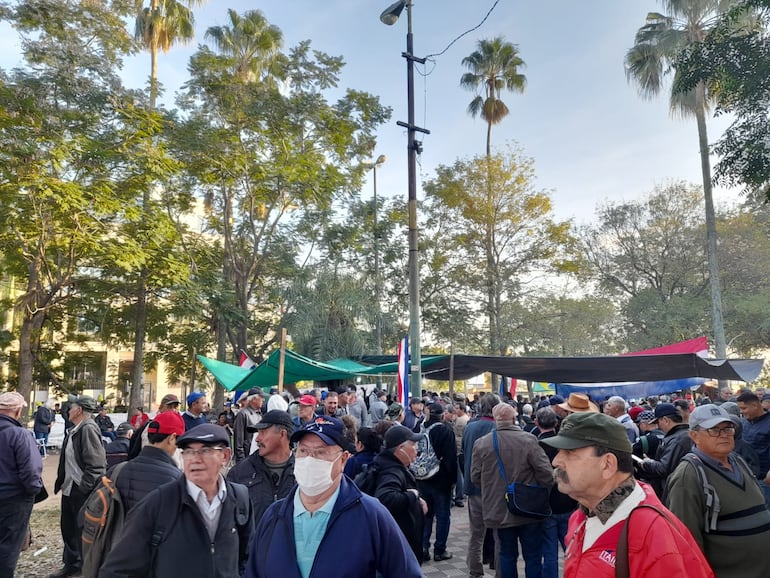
point(298, 535)
point(397, 486)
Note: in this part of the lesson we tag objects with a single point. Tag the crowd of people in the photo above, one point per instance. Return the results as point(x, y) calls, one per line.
point(274, 484)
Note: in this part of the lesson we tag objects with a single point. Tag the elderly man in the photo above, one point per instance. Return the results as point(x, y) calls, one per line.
point(21, 468)
point(249, 416)
point(305, 411)
point(199, 525)
point(197, 406)
point(269, 472)
point(327, 507)
point(396, 486)
point(523, 460)
point(616, 407)
point(714, 492)
point(756, 433)
point(675, 444)
point(593, 466)
point(81, 466)
point(377, 406)
point(357, 408)
point(475, 430)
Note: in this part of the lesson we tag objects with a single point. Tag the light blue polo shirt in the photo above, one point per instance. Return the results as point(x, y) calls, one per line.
point(309, 530)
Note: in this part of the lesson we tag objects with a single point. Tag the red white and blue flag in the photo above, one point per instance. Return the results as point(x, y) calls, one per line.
point(246, 362)
point(403, 372)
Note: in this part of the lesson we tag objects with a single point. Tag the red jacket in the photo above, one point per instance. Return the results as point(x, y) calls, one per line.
point(655, 548)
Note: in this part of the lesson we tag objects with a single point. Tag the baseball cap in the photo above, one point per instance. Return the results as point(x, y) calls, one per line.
point(647, 416)
point(169, 399)
point(588, 428)
point(271, 418)
point(123, 429)
point(398, 434)
point(664, 409)
point(555, 400)
point(329, 429)
point(195, 396)
point(634, 412)
point(395, 409)
point(707, 416)
point(167, 422)
point(207, 433)
point(308, 399)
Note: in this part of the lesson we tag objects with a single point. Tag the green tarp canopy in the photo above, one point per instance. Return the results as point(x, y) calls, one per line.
point(296, 368)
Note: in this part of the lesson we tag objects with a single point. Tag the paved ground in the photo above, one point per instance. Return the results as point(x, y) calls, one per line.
point(457, 544)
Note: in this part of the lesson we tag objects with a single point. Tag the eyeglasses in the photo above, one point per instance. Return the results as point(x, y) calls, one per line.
point(715, 432)
point(318, 453)
point(204, 452)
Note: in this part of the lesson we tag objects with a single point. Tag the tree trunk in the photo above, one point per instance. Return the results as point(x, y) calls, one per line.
point(135, 398)
point(711, 227)
point(29, 337)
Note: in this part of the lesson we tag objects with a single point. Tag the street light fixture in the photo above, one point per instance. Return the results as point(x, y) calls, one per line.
point(390, 17)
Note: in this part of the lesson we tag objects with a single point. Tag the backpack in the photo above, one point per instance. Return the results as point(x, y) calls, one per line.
point(427, 463)
point(103, 516)
point(366, 479)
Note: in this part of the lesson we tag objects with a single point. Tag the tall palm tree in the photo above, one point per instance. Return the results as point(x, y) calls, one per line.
point(657, 45)
point(160, 26)
point(251, 42)
point(493, 67)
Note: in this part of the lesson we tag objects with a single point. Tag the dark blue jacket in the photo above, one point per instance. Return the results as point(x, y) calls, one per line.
point(190, 421)
point(150, 469)
point(475, 429)
point(359, 524)
point(20, 463)
point(756, 433)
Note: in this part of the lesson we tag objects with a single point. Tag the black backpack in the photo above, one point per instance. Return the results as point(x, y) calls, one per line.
point(366, 480)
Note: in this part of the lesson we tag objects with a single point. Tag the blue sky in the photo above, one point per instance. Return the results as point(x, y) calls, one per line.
point(592, 137)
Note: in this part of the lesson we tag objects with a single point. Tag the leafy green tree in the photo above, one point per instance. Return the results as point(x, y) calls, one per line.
point(736, 57)
point(494, 66)
point(265, 160)
point(657, 46)
point(74, 149)
point(501, 225)
point(648, 254)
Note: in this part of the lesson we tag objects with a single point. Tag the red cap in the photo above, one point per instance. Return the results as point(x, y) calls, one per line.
point(167, 422)
point(634, 412)
point(308, 399)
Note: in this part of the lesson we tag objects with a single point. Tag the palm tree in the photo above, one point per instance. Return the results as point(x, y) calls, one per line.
point(656, 48)
point(493, 67)
point(161, 25)
point(250, 42)
point(158, 26)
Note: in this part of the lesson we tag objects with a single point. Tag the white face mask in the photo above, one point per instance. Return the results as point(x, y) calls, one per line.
point(313, 476)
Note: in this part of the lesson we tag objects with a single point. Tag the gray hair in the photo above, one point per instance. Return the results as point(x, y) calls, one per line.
point(546, 417)
point(526, 409)
point(617, 400)
point(486, 404)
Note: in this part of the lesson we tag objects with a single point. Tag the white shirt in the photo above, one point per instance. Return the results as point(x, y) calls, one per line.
point(209, 510)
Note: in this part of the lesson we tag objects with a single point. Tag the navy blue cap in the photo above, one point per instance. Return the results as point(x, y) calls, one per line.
point(330, 429)
point(207, 433)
